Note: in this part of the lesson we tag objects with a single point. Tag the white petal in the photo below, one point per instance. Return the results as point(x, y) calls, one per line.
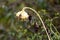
point(18, 13)
point(24, 15)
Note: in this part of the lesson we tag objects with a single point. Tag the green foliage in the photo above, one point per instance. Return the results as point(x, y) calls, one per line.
point(15, 29)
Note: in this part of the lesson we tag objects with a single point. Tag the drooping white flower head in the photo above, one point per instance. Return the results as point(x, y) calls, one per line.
point(24, 15)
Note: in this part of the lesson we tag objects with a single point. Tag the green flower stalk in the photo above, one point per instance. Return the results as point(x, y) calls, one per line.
point(26, 17)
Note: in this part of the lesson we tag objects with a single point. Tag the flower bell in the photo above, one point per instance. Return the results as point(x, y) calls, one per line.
point(22, 14)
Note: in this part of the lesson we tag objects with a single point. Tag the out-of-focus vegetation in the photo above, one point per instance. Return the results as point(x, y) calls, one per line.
point(13, 29)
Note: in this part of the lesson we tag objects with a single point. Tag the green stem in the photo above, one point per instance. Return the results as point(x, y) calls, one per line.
point(39, 19)
point(53, 25)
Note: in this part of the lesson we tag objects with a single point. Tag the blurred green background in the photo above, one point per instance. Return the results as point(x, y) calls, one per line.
point(13, 29)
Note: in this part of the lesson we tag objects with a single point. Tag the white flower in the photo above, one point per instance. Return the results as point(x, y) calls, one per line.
point(22, 14)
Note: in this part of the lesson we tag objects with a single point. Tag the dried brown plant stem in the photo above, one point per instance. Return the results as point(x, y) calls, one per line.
point(39, 19)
